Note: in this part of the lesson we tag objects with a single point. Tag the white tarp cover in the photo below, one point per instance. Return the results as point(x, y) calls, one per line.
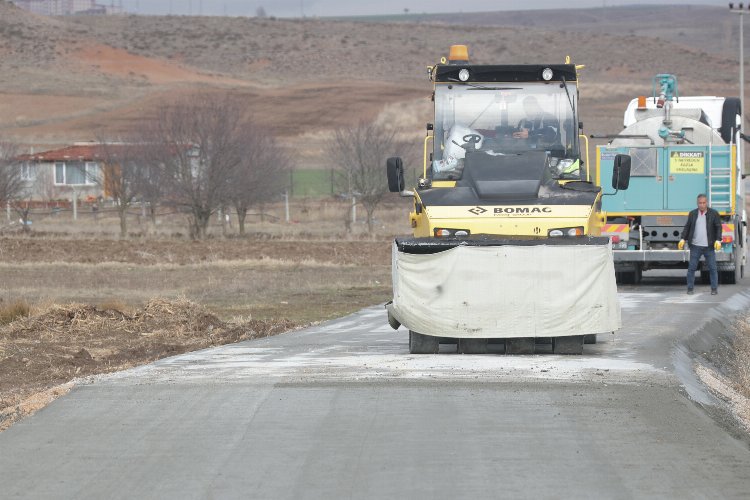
point(507, 291)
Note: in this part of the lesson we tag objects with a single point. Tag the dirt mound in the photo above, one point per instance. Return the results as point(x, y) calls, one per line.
point(63, 342)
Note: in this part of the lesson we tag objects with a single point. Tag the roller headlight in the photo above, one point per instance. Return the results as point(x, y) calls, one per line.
point(442, 232)
point(463, 75)
point(547, 74)
point(565, 232)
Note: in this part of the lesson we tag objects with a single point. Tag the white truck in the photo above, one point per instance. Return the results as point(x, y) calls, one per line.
point(679, 147)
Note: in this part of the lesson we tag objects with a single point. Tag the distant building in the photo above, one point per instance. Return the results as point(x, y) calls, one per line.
point(62, 173)
point(69, 7)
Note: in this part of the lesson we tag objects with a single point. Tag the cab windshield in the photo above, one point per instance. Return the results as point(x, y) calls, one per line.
point(505, 118)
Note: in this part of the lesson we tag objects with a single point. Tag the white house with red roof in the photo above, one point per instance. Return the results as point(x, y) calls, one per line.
point(61, 174)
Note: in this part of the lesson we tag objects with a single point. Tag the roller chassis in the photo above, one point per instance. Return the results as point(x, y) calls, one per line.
point(471, 334)
point(503, 257)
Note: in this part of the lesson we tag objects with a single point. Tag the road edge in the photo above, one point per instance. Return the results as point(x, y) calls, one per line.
point(701, 362)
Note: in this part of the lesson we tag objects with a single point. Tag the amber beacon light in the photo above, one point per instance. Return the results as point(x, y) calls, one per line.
point(458, 53)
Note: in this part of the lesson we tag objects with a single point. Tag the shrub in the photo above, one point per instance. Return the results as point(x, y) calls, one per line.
point(12, 311)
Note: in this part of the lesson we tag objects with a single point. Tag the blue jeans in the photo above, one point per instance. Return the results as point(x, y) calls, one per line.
point(695, 256)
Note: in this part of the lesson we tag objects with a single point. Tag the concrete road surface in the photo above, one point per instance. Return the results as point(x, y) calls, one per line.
point(343, 410)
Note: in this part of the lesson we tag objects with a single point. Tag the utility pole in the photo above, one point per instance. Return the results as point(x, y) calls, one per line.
point(286, 206)
point(75, 203)
point(739, 9)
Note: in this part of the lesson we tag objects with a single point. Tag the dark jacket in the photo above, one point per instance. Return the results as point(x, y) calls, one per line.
point(713, 226)
point(542, 128)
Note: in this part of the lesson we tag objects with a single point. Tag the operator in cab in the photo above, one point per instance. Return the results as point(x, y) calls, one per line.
point(538, 127)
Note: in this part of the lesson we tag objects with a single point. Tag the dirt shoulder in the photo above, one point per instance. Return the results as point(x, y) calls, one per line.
point(721, 359)
point(87, 306)
point(64, 342)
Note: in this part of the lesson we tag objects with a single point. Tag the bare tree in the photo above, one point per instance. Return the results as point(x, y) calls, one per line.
point(11, 184)
point(13, 188)
point(359, 153)
point(43, 185)
point(199, 142)
point(151, 179)
point(119, 175)
point(261, 175)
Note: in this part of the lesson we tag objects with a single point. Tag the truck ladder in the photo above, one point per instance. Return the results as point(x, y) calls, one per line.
point(719, 181)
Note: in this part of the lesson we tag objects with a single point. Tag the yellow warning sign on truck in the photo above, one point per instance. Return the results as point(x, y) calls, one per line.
point(687, 162)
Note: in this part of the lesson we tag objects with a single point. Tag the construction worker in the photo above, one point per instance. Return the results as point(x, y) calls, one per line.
point(703, 234)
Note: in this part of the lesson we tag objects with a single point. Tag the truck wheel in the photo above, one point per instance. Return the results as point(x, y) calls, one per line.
point(589, 339)
point(520, 345)
point(568, 345)
point(472, 346)
point(637, 274)
point(629, 277)
point(739, 269)
point(423, 344)
point(393, 321)
point(737, 273)
point(706, 276)
point(729, 113)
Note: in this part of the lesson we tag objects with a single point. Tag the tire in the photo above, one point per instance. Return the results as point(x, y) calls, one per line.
point(393, 321)
point(623, 278)
point(729, 112)
point(706, 276)
point(520, 345)
point(733, 277)
point(628, 277)
point(739, 250)
point(637, 274)
point(589, 339)
point(472, 346)
point(448, 340)
point(423, 344)
point(568, 345)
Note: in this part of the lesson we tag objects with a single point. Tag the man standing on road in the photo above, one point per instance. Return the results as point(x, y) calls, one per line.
point(703, 234)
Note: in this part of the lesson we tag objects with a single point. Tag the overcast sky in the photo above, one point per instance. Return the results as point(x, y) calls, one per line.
point(297, 8)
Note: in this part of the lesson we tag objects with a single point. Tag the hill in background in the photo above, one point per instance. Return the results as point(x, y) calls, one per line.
point(703, 28)
point(79, 78)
